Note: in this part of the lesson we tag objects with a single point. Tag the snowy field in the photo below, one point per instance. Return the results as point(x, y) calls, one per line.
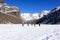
point(31, 32)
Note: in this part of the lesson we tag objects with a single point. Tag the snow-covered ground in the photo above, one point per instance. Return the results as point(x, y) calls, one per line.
point(31, 32)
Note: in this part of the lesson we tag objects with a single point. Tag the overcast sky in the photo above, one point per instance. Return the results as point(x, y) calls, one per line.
point(34, 6)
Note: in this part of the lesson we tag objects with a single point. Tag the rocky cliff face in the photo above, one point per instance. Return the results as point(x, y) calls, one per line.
point(9, 14)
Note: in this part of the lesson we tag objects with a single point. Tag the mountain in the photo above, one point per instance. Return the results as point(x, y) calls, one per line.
point(52, 18)
point(32, 18)
point(44, 12)
point(28, 16)
point(9, 14)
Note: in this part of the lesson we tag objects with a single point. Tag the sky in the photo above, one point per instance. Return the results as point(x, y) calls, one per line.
point(33, 6)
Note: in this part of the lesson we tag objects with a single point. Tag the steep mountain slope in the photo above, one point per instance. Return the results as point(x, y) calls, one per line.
point(52, 18)
point(9, 14)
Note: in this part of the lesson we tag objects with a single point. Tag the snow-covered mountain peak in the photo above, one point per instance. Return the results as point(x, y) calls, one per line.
point(29, 16)
point(34, 16)
point(44, 12)
point(58, 8)
point(55, 9)
point(52, 18)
